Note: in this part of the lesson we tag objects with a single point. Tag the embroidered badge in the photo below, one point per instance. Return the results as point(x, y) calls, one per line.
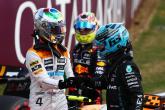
point(128, 69)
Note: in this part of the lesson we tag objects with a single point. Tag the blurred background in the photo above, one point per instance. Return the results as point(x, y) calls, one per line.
point(145, 20)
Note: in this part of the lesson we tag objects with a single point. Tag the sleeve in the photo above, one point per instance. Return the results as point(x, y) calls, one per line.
point(132, 80)
point(36, 68)
point(68, 67)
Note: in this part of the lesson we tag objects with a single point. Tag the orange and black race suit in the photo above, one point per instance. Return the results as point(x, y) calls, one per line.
point(86, 63)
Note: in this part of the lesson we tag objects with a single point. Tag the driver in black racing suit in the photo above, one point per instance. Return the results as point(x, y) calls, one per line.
point(84, 59)
point(122, 79)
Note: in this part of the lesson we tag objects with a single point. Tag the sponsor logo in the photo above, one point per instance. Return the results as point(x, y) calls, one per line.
point(61, 60)
point(39, 71)
point(36, 67)
point(101, 63)
point(99, 72)
point(128, 69)
point(60, 67)
point(112, 87)
point(132, 83)
point(80, 69)
point(132, 79)
point(49, 61)
point(34, 63)
point(134, 86)
point(87, 55)
point(55, 74)
point(100, 68)
point(139, 101)
point(82, 61)
point(130, 76)
point(49, 68)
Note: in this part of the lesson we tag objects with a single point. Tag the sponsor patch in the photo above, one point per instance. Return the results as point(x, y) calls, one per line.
point(100, 68)
point(49, 68)
point(112, 87)
point(128, 69)
point(60, 67)
point(38, 71)
point(139, 100)
point(55, 74)
point(81, 69)
point(132, 83)
point(34, 63)
point(101, 63)
point(36, 67)
point(99, 72)
point(132, 79)
point(87, 55)
point(82, 61)
point(130, 76)
point(48, 61)
point(61, 60)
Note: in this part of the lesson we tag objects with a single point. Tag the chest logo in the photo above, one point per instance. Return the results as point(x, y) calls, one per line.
point(128, 69)
point(80, 69)
point(101, 63)
point(61, 60)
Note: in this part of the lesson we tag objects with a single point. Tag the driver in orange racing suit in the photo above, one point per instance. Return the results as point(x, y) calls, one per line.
point(47, 61)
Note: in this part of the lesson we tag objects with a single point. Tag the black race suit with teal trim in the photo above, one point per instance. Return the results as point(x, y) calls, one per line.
point(123, 85)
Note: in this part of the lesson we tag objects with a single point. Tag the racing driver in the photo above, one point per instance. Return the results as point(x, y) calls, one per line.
point(84, 58)
point(47, 61)
point(122, 79)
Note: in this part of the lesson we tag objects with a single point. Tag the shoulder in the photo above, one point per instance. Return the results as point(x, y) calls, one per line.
point(31, 52)
point(37, 53)
point(31, 55)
